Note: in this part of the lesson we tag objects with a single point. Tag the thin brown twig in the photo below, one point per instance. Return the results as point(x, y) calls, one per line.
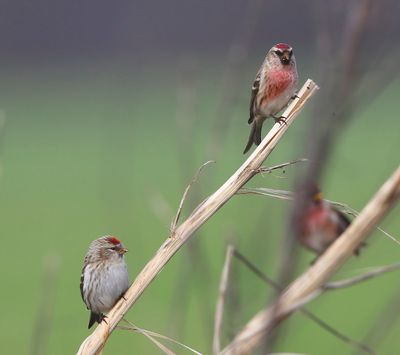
point(360, 278)
point(194, 179)
point(317, 275)
point(219, 309)
point(199, 216)
point(265, 169)
point(354, 343)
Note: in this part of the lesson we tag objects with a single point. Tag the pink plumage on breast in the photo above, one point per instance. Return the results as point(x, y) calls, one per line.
point(279, 81)
point(276, 84)
point(319, 229)
point(320, 219)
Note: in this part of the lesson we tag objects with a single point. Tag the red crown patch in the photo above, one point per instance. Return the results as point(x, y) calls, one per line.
point(283, 46)
point(114, 240)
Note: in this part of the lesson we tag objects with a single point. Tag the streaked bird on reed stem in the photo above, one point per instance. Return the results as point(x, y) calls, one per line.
point(104, 278)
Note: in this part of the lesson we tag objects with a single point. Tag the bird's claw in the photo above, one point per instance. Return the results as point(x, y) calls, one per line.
point(103, 319)
point(280, 119)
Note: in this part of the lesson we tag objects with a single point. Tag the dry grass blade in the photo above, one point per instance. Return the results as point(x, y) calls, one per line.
point(148, 336)
point(317, 275)
point(157, 335)
point(355, 344)
point(199, 216)
point(264, 191)
point(219, 310)
point(351, 211)
point(194, 179)
point(388, 235)
point(361, 278)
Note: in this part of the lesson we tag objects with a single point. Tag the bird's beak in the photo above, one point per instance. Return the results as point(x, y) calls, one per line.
point(122, 251)
point(318, 196)
point(285, 58)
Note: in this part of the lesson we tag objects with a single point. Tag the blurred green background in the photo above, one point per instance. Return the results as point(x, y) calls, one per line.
point(101, 142)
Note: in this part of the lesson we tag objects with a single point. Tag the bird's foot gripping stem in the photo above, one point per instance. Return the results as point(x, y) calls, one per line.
point(103, 318)
point(280, 119)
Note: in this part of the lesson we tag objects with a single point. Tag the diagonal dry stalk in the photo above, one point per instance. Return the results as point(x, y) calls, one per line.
point(96, 341)
point(354, 343)
point(308, 283)
point(219, 309)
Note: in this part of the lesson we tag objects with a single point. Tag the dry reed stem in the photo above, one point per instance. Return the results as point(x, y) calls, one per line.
point(96, 341)
point(310, 281)
point(219, 309)
point(354, 343)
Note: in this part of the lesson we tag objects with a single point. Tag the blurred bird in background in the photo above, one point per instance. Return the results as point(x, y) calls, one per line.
point(321, 224)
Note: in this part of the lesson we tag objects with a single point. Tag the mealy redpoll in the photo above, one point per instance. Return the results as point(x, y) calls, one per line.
point(321, 224)
point(274, 85)
point(104, 276)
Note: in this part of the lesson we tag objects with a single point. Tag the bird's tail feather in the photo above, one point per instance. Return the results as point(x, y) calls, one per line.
point(255, 135)
point(94, 317)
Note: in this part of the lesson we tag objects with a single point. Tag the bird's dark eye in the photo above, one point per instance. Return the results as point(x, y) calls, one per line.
point(278, 52)
point(113, 248)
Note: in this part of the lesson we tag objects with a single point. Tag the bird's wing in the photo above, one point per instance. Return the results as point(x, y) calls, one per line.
point(81, 284)
point(344, 222)
point(254, 92)
point(82, 280)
